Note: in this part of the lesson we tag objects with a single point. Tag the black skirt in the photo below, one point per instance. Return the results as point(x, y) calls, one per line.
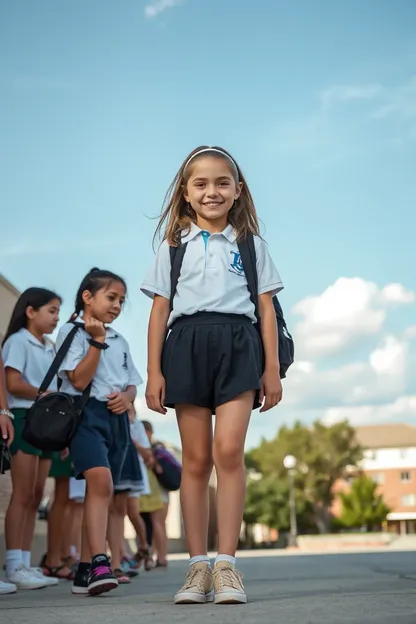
point(210, 358)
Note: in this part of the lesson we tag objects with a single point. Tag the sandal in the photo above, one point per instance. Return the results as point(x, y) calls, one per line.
point(54, 572)
point(122, 578)
point(143, 556)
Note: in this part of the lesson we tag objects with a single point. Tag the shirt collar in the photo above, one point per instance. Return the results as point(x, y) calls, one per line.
point(48, 345)
point(187, 236)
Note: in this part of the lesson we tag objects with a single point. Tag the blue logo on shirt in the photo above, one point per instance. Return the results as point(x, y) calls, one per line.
point(237, 265)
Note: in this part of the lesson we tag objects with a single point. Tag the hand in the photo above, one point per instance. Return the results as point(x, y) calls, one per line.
point(148, 458)
point(271, 389)
point(155, 393)
point(64, 454)
point(6, 428)
point(118, 402)
point(94, 328)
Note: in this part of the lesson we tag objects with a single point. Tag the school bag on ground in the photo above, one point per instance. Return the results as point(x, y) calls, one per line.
point(53, 418)
point(248, 257)
point(170, 477)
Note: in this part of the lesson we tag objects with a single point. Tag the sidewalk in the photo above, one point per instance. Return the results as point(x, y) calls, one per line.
point(327, 589)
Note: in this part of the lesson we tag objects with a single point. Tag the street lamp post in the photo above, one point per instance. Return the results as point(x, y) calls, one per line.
point(289, 462)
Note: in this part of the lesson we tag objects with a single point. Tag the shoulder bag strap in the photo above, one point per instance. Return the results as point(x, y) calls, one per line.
point(176, 260)
point(248, 257)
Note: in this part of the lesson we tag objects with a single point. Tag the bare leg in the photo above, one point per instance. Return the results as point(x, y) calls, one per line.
point(137, 521)
point(97, 502)
point(77, 511)
point(231, 425)
point(58, 526)
point(23, 471)
point(159, 532)
point(115, 532)
point(195, 427)
point(29, 530)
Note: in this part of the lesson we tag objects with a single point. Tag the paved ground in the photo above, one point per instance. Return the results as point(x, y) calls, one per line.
point(312, 589)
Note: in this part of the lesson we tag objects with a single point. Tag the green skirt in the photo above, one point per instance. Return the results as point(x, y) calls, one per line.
point(18, 443)
point(61, 467)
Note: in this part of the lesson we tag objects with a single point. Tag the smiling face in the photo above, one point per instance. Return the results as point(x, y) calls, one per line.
point(211, 189)
point(106, 304)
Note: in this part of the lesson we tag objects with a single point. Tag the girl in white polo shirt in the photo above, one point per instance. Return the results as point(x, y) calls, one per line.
point(214, 360)
point(98, 358)
point(28, 354)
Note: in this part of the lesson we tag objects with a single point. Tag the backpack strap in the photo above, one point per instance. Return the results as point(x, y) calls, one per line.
point(248, 257)
point(176, 260)
point(57, 361)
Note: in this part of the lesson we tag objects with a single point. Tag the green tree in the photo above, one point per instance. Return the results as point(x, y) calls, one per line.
point(323, 456)
point(362, 506)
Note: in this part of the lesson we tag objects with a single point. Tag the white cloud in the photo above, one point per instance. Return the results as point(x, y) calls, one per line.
point(156, 7)
point(410, 333)
point(339, 94)
point(402, 409)
point(399, 102)
point(346, 311)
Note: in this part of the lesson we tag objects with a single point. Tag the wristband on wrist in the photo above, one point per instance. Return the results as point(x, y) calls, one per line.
point(98, 345)
point(6, 412)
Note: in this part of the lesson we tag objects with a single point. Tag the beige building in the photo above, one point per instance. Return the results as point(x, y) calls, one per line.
point(8, 297)
point(390, 460)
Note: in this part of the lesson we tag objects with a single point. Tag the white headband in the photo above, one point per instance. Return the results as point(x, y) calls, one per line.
point(211, 149)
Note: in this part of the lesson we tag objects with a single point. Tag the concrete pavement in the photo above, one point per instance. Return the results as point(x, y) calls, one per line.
point(362, 588)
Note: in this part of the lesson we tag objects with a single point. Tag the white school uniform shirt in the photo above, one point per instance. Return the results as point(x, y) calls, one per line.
point(115, 370)
point(32, 358)
point(139, 435)
point(212, 277)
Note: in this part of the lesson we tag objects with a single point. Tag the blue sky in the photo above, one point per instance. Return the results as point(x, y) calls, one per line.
point(100, 101)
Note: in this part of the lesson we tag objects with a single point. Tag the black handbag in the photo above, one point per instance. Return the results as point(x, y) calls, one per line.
point(5, 456)
point(53, 418)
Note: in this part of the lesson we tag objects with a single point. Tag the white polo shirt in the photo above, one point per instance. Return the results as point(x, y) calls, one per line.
point(115, 370)
point(26, 354)
point(212, 277)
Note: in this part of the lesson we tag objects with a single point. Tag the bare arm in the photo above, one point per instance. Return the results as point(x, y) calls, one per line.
point(156, 333)
point(271, 390)
point(6, 427)
point(84, 373)
point(18, 387)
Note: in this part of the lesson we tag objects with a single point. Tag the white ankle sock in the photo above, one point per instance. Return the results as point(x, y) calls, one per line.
point(199, 559)
point(26, 558)
point(228, 558)
point(13, 561)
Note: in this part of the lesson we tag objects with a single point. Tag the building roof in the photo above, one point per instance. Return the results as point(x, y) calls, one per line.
point(392, 435)
point(9, 286)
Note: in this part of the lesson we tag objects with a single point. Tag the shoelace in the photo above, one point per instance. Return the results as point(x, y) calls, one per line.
point(25, 572)
point(192, 579)
point(228, 577)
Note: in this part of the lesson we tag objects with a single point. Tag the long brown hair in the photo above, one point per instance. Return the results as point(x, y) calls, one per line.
point(178, 215)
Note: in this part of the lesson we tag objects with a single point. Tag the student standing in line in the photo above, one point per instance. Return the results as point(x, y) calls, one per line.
point(99, 358)
point(7, 434)
point(214, 360)
point(28, 354)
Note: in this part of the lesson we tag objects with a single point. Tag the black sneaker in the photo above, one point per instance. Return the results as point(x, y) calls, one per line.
point(101, 578)
point(80, 584)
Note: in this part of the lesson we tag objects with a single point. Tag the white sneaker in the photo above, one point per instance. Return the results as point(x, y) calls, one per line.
point(7, 588)
point(25, 579)
point(50, 581)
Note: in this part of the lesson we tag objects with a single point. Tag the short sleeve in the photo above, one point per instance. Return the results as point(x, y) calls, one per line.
point(142, 438)
point(157, 280)
point(268, 276)
point(76, 352)
point(14, 353)
point(134, 377)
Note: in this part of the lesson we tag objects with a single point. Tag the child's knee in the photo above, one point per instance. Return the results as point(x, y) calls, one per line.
point(99, 483)
point(198, 464)
point(228, 455)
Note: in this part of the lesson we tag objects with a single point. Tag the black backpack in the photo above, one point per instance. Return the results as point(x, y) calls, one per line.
point(248, 257)
point(53, 419)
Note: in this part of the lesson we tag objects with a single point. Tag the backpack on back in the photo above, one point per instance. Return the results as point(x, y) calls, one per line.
point(170, 477)
point(248, 257)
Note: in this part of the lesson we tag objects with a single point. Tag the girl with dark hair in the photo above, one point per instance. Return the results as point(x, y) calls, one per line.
point(28, 354)
point(99, 360)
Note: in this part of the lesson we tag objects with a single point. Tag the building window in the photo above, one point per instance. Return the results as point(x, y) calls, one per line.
point(409, 500)
point(369, 454)
point(403, 453)
point(378, 477)
point(406, 476)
